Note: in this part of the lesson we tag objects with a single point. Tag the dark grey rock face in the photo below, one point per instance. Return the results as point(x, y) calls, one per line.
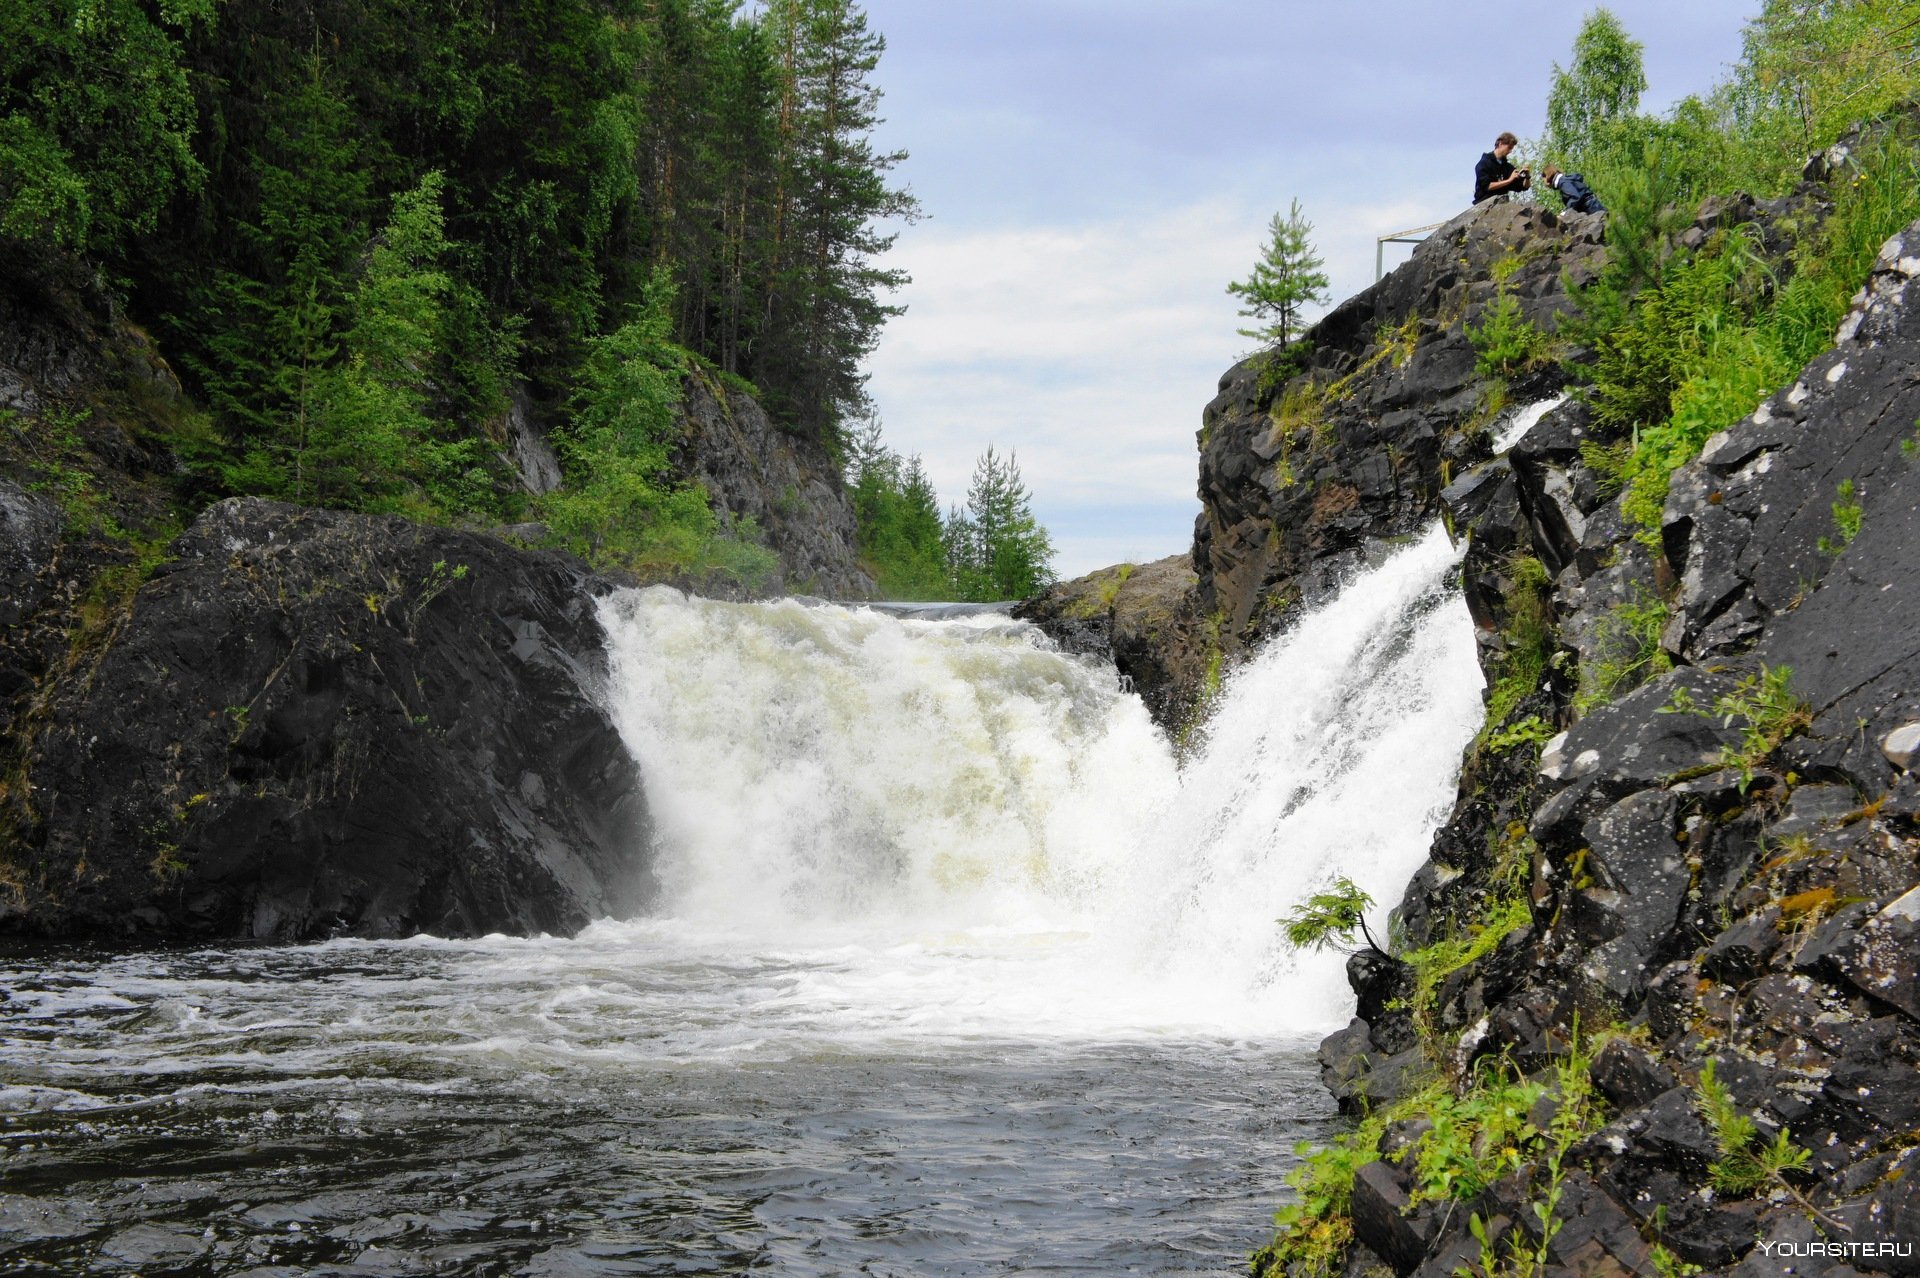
point(1296, 493)
point(1758, 913)
point(788, 486)
point(311, 724)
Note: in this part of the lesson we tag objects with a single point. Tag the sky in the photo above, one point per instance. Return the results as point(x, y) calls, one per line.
point(1094, 172)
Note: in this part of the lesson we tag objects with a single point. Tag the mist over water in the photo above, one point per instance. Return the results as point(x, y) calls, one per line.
point(956, 971)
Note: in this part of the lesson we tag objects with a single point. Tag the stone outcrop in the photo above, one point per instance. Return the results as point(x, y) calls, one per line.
point(1302, 478)
point(308, 724)
point(1318, 459)
point(1143, 618)
point(788, 487)
point(1724, 860)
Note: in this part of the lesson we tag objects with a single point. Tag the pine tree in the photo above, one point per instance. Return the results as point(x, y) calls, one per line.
point(270, 319)
point(1287, 279)
point(824, 309)
point(898, 513)
point(369, 433)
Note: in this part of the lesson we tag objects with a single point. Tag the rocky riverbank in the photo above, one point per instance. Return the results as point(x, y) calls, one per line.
point(1654, 1001)
point(288, 723)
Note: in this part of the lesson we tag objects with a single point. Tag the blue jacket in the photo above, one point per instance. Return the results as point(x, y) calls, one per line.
point(1579, 196)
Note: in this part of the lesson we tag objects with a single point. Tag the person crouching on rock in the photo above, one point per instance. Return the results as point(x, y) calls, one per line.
point(1573, 189)
point(1495, 174)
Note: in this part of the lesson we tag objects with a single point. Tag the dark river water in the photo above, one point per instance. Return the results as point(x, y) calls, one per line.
point(638, 1101)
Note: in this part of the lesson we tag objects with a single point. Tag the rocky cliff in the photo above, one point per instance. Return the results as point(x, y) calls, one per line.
point(1655, 1001)
point(307, 724)
point(285, 723)
point(786, 486)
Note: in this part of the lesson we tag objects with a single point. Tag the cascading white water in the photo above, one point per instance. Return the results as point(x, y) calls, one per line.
point(957, 972)
point(1512, 426)
point(984, 833)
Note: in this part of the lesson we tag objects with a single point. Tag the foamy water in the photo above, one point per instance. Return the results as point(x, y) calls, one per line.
point(956, 972)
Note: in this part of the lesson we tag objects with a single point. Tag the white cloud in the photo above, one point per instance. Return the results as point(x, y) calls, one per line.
point(1090, 351)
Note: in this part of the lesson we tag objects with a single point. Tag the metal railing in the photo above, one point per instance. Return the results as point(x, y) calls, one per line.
point(1411, 236)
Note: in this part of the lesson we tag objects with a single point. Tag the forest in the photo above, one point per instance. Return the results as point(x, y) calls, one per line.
point(359, 228)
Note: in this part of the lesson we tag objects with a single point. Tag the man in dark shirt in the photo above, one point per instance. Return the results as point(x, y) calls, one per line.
point(1495, 174)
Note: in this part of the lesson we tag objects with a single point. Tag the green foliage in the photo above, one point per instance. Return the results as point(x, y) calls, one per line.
point(1527, 640)
point(1686, 344)
point(1846, 520)
point(1592, 99)
point(1711, 340)
point(52, 444)
point(1504, 341)
point(1478, 1136)
point(359, 229)
point(1434, 963)
point(995, 547)
point(1287, 279)
point(1312, 1233)
point(1532, 730)
point(96, 118)
point(831, 192)
point(898, 513)
point(1766, 709)
point(1330, 918)
point(1627, 638)
point(1479, 1132)
point(619, 506)
point(1746, 1164)
point(1576, 1112)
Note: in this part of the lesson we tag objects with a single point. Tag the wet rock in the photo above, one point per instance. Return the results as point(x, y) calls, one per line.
point(1141, 618)
point(313, 724)
point(1740, 953)
point(1882, 959)
point(1631, 745)
point(156, 1245)
point(1791, 1245)
point(1595, 1234)
point(1671, 1129)
point(1902, 746)
point(1382, 1222)
point(1345, 1057)
point(1886, 1221)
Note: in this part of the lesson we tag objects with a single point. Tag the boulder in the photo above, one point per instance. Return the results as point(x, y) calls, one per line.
point(1383, 1220)
point(310, 724)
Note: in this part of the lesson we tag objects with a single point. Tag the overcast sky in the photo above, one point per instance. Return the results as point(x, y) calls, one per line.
point(1094, 172)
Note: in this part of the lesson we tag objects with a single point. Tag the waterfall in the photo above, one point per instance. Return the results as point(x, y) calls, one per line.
point(985, 831)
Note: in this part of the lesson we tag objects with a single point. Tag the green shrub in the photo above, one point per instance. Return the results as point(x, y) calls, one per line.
point(1505, 342)
point(1746, 1164)
point(1846, 520)
point(1767, 711)
point(1628, 638)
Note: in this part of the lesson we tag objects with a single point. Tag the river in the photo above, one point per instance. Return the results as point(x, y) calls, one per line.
point(954, 971)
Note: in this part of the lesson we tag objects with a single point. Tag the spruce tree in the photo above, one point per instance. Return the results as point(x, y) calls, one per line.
point(997, 549)
point(1285, 281)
